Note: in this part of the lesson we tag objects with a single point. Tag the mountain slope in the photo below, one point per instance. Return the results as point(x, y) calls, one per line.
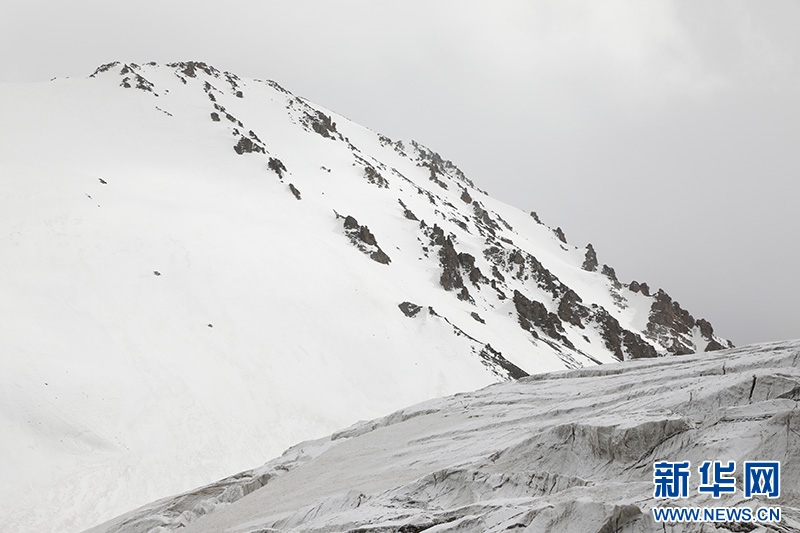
point(199, 270)
point(567, 451)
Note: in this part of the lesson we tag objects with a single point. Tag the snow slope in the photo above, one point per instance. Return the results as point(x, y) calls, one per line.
point(567, 451)
point(198, 271)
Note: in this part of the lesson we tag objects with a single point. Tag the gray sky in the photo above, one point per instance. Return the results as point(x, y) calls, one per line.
point(666, 133)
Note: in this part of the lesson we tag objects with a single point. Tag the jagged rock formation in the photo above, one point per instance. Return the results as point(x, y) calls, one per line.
point(668, 328)
point(203, 171)
point(590, 262)
point(556, 452)
point(363, 239)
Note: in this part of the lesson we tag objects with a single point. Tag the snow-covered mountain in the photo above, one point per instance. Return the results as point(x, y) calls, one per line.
point(199, 270)
point(570, 451)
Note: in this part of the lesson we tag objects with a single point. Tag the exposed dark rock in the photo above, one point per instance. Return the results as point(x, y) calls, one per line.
point(452, 262)
point(276, 165)
point(232, 80)
point(435, 172)
point(407, 212)
point(467, 262)
point(705, 328)
point(380, 257)
point(615, 338)
point(465, 197)
point(246, 146)
point(294, 190)
point(363, 239)
point(322, 124)
point(234, 120)
point(571, 310)
point(438, 165)
point(500, 294)
point(590, 260)
point(492, 356)
point(104, 68)
point(156, 272)
point(713, 346)
point(104, 182)
point(409, 309)
point(611, 274)
point(253, 136)
point(465, 296)
point(560, 234)
point(460, 223)
point(350, 223)
point(635, 286)
point(670, 324)
point(637, 347)
point(526, 266)
point(531, 313)
point(482, 218)
point(448, 258)
point(504, 223)
point(215, 116)
point(679, 348)
point(190, 68)
point(545, 279)
point(374, 177)
point(535, 217)
point(477, 317)
point(496, 273)
point(140, 82)
point(669, 314)
point(366, 236)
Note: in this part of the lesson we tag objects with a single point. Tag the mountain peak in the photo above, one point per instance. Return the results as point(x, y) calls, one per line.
point(345, 274)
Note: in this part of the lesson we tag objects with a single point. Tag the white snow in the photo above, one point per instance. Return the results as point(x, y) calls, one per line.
point(568, 451)
point(189, 317)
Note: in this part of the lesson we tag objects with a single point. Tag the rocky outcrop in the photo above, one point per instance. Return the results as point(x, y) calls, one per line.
point(248, 146)
point(190, 68)
point(363, 239)
point(571, 310)
point(133, 77)
point(622, 343)
point(321, 124)
point(374, 177)
point(407, 212)
point(439, 167)
point(277, 166)
point(495, 359)
point(673, 326)
point(533, 316)
point(635, 286)
point(590, 259)
point(409, 309)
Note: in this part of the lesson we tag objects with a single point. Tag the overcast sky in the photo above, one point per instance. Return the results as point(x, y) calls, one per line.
point(666, 133)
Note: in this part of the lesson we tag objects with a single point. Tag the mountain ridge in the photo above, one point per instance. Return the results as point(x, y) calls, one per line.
point(190, 253)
